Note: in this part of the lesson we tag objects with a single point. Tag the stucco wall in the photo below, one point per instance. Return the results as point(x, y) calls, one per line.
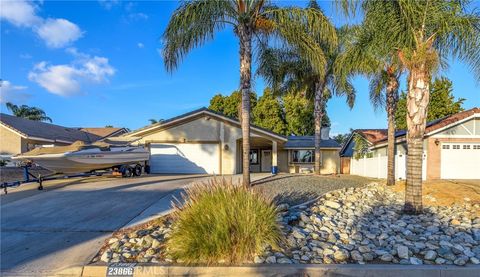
point(330, 163)
point(231, 135)
point(201, 129)
point(282, 160)
point(205, 129)
point(11, 143)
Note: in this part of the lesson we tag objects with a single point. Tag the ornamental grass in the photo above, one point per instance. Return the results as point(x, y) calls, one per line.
point(222, 222)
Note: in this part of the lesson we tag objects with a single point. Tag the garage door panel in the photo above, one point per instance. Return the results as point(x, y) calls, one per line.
point(460, 161)
point(185, 158)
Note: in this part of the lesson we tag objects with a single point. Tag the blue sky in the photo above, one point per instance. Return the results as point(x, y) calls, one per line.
point(91, 63)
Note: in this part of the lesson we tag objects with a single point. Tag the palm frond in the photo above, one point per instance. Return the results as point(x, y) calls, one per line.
point(304, 30)
point(191, 25)
point(377, 86)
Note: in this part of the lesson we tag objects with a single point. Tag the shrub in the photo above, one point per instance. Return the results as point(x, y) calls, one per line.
point(222, 222)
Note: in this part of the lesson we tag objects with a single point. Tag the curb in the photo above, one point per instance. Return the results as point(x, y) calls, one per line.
point(295, 270)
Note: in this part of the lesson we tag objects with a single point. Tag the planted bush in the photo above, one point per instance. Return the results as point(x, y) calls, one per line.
point(220, 221)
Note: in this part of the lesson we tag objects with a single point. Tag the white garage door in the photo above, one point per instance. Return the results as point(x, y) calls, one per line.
point(184, 158)
point(460, 161)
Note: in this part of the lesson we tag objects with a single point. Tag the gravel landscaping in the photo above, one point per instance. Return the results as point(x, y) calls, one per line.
point(297, 189)
point(358, 224)
point(366, 225)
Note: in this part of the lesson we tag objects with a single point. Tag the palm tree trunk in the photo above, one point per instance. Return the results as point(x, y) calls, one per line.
point(417, 105)
point(319, 109)
point(245, 36)
point(392, 97)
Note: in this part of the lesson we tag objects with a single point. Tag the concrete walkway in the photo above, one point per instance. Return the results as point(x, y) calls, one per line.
point(64, 226)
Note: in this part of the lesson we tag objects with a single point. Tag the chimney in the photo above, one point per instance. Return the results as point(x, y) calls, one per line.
point(325, 133)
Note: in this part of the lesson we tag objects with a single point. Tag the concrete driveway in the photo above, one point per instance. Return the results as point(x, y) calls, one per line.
point(65, 225)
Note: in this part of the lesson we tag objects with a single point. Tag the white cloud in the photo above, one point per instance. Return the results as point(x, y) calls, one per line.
point(140, 45)
point(19, 13)
point(57, 79)
point(58, 32)
point(55, 32)
point(137, 16)
point(97, 69)
point(67, 79)
point(108, 4)
point(12, 93)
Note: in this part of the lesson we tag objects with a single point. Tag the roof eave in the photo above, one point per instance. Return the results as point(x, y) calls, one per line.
point(195, 114)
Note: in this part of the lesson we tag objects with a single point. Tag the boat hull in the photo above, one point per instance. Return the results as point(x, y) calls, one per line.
point(86, 162)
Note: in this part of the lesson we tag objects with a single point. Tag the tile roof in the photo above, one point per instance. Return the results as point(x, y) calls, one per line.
point(439, 123)
point(372, 135)
point(47, 131)
point(309, 142)
point(442, 122)
point(104, 132)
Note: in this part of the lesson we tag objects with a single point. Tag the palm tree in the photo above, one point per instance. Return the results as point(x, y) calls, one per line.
point(195, 22)
point(153, 120)
point(288, 71)
point(425, 34)
point(32, 113)
point(363, 56)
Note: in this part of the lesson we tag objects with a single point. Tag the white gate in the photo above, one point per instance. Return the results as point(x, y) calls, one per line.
point(376, 167)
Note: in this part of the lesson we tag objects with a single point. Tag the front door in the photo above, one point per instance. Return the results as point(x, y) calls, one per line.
point(266, 160)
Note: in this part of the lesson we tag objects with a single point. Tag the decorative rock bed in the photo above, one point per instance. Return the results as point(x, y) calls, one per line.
point(366, 225)
point(353, 225)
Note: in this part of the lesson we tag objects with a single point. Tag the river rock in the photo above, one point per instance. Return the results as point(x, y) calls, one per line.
point(402, 252)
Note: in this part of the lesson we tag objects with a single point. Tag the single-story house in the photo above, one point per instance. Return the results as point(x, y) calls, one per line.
point(204, 141)
point(19, 135)
point(451, 149)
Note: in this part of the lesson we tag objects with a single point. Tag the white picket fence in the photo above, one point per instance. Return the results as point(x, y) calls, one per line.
point(376, 167)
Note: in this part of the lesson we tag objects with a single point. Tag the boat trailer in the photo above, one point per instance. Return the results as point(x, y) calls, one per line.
point(28, 177)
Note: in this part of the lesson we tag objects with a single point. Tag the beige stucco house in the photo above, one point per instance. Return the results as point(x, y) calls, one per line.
point(19, 135)
point(203, 141)
point(451, 150)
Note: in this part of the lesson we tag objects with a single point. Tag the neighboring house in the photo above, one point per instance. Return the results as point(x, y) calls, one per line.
point(204, 141)
point(105, 132)
point(19, 135)
point(451, 150)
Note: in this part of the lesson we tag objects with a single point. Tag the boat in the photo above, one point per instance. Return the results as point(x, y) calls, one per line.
point(80, 157)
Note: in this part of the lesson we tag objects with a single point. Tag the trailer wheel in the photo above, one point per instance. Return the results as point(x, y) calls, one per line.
point(137, 170)
point(126, 171)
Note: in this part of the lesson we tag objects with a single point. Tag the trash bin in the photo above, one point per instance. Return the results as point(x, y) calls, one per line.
point(274, 170)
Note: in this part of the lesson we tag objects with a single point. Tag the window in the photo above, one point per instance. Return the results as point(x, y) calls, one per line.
point(254, 156)
point(303, 156)
point(476, 146)
point(445, 146)
point(456, 146)
point(466, 146)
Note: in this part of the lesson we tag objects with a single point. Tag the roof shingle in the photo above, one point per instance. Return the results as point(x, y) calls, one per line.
point(42, 130)
point(309, 142)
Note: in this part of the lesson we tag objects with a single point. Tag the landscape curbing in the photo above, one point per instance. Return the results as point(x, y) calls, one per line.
point(344, 270)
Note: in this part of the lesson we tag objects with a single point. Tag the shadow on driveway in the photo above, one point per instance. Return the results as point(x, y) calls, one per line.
point(65, 226)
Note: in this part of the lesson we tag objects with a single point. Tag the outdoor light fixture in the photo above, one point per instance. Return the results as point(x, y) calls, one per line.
point(437, 142)
point(225, 147)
